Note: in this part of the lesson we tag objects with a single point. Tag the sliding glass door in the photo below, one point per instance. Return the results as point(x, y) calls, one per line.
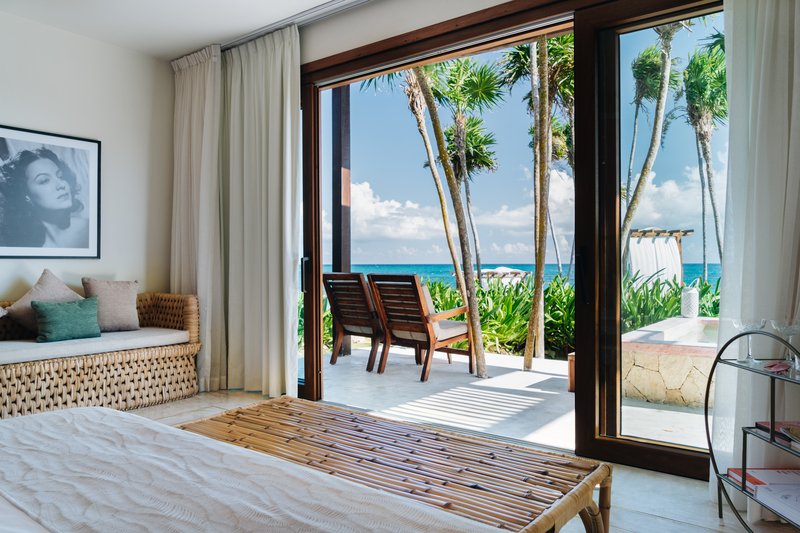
point(650, 85)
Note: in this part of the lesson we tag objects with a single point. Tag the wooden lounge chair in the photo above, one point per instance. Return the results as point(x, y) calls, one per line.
point(409, 319)
point(353, 312)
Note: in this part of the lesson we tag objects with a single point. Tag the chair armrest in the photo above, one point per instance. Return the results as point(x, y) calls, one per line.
point(164, 310)
point(444, 315)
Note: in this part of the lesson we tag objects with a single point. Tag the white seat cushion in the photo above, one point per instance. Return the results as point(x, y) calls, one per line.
point(450, 328)
point(29, 350)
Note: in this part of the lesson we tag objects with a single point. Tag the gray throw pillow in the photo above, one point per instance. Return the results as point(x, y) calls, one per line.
point(116, 303)
point(47, 289)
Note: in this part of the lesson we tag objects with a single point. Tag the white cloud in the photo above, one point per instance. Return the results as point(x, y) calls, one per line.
point(676, 204)
point(374, 218)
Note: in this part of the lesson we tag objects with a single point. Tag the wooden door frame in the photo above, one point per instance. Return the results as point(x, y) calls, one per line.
point(485, 29)
point(597, 222)
point(482, 30)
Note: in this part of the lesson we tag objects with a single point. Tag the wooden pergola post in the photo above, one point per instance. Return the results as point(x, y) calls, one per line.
point(340, 183)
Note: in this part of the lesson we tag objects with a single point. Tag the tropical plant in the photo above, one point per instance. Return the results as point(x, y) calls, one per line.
point(504, 310)
point(478, 149)
point(649, 300)
point(461, 222)
point(464, 86)
point(646, 69)
point(666, 33)
point(416, 104)
point(705, 89)
point(559, 317)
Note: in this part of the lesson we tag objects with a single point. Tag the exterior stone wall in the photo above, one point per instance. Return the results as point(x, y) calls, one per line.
point(669, 362)
point(667, 377)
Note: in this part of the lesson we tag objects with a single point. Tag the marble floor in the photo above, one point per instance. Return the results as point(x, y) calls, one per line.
point(642, 501)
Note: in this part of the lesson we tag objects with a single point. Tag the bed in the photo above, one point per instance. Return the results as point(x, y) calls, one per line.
point(96, 469)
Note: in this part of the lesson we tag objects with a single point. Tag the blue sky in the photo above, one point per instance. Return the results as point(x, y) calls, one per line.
point(394, 205)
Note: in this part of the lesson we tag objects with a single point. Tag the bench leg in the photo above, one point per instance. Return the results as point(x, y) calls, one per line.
point(592, 519)
point(604, 497)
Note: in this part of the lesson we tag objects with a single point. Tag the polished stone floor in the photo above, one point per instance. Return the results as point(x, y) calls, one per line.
point(642, 501)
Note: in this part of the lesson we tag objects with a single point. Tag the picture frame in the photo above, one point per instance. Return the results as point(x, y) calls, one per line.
point(49, 195)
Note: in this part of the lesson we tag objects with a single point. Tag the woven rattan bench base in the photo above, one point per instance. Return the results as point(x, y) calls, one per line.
point(120, 380)
point(507, 486)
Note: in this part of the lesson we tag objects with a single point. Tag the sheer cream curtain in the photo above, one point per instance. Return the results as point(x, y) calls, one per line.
point(262, 158)
point(761, 260)
point(196, 255)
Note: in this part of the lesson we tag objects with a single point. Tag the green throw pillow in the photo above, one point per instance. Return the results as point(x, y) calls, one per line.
point(66, 320)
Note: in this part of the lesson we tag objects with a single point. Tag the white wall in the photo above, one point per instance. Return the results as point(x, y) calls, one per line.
point(55, 81)
point(378, 20)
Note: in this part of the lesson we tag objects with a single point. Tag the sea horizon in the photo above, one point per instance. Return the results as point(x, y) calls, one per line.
point(444, 271)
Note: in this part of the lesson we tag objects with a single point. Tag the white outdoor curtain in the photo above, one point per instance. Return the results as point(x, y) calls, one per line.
point(196, 258)
point(761, 259)
point(262, 152)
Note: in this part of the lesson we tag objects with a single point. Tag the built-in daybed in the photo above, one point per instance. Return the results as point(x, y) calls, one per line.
point(120, 369)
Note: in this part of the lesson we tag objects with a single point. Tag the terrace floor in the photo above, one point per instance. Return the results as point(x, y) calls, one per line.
point(531, 406)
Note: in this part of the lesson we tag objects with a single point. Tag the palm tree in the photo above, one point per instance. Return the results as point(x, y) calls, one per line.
point(666, 33)
point(479, 158)
point(476, 336)
point(464, 87)
point(524, 62)
point(646, 69)
point(534, 342)
point(705, 89)
point(416, 104)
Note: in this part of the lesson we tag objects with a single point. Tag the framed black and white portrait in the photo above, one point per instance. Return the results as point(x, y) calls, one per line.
point(49, 195)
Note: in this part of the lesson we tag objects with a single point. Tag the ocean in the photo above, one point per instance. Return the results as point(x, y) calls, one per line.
point(444, 272)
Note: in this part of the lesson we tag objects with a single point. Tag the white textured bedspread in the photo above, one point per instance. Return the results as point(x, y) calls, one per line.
point(96, 469)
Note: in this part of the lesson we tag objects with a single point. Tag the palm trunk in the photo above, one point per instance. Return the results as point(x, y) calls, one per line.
point(474, 229)
point(460, 138)
point(534, 342)
point(705, 143)
point(571, 161)
point(534, 109)
point(633, 151)
point(571, 258)
point(555, 241)
point(666, 34)
point(702, 204)
point(476, 338)
point(416, 105)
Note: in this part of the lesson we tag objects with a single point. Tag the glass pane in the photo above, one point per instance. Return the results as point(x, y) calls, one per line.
point(673, 154)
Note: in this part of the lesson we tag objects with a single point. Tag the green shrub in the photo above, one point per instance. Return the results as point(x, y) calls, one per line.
point(505, 309)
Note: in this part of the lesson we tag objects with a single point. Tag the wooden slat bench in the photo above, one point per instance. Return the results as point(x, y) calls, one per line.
point(511, 487)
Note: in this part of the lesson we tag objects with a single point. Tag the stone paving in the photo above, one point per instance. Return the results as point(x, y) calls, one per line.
point(532, 406)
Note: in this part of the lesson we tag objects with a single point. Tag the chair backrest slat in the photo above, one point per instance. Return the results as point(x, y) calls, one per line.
point(350, 299)
point(400, 302)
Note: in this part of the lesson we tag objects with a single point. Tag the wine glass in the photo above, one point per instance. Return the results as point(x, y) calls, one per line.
point(788, 329)
point(749, 324)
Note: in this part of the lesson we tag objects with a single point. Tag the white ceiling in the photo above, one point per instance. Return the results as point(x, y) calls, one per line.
point(165, 29)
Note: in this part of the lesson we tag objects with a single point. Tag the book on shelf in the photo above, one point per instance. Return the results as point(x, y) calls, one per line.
point(760, 477)
point(783, 432)
point(785, 499)
point(793, 432)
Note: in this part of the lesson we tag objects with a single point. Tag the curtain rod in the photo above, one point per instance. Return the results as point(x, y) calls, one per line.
point(304, 18)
